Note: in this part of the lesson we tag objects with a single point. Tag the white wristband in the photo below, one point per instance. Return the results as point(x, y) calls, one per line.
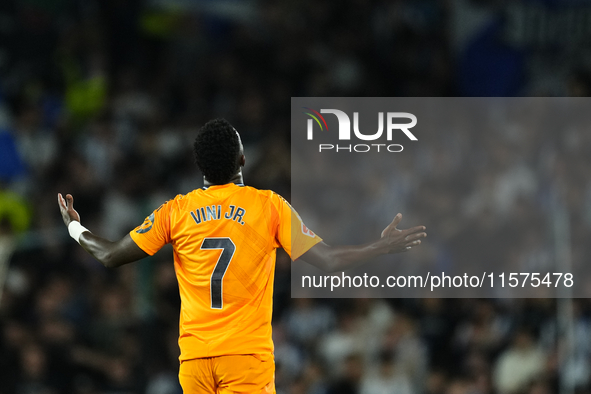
point(76, 229)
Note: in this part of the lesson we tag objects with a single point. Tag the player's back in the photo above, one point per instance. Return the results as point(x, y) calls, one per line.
point(224, 240)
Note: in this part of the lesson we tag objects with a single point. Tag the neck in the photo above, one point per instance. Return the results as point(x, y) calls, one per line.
point(237, 178)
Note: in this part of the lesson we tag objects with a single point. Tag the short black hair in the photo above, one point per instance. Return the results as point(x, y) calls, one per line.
point(217, 151)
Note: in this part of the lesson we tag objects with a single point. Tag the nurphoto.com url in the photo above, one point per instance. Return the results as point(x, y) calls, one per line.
point(441, 280)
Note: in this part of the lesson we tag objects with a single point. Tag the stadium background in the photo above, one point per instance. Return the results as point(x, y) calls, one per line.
point(102, 99)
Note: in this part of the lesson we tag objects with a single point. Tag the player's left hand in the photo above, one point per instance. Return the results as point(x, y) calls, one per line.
point(402, 240)
point(67, 208)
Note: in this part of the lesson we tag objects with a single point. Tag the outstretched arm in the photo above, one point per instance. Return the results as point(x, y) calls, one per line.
point(339, 258)
point(110, 254)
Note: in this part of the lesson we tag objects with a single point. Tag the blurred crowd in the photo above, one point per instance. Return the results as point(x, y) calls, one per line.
point(102, 99)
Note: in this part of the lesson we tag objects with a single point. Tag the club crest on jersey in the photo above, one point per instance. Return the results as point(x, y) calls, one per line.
point(146, 225)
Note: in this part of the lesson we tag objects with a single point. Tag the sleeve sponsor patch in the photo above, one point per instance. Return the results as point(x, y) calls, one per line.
point(307, 231)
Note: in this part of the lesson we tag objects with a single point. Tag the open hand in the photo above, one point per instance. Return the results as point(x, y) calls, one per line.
point(402, 240)
point(67, 208)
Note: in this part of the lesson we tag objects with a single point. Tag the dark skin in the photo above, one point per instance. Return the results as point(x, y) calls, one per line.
point(339, 258)
point(327, 258)
point(110, 254)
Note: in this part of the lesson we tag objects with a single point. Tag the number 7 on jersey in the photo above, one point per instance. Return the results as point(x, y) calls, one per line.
point(228, 248)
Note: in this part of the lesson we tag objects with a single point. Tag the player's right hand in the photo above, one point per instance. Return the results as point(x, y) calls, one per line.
point(397, 241)
point(67, 208)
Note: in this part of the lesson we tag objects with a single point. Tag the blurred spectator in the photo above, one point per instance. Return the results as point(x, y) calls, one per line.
point(35, 375)
point(348, 381)
point(339, 346)
point(307, 321)
point(386, 379)
point(15, 215)
point(11, 165)
point(520, 364)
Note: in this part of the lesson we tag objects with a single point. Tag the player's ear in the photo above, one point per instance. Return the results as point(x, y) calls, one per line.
point(242, 160)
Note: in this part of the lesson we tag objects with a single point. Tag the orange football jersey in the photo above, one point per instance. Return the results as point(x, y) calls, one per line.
point(224, 239)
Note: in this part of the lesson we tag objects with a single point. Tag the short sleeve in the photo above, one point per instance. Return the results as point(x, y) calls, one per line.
point(154, 232)
point(292, 234)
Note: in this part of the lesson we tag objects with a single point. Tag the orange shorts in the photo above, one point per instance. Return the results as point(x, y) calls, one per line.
point(251, 374)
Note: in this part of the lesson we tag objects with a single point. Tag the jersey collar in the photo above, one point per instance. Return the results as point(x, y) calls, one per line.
point(237, 180)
